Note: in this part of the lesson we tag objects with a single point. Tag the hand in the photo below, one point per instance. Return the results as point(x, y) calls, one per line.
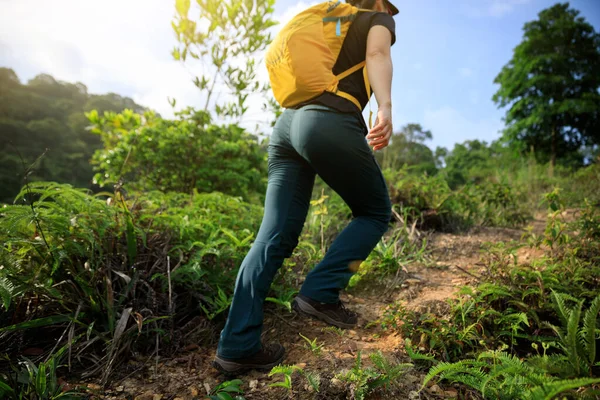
point(379, 136)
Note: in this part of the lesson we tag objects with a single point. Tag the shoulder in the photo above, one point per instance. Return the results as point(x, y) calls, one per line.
point(368, 20)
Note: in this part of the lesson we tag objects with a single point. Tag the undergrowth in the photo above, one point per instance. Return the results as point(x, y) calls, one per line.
point(526, 330)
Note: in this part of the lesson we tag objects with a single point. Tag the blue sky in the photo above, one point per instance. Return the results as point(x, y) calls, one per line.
point(445, 59)
point(447, 55)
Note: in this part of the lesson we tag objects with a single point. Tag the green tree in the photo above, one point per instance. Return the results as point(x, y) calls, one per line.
point(228, 36)
point(468, 162)
point(146, 152)
point(407, 148)
point(551, 86)
point(46, 117)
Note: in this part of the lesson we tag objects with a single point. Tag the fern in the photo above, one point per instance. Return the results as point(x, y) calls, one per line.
point(389, 372)
point(453, 371)
point(414, 354)
point(549, 390)
point(558, 299)
point(314, 379)
point(7, 291)
point(572, 342)
point(588, 333)
point(552, 364)
point(286, 371)
point(578, 343)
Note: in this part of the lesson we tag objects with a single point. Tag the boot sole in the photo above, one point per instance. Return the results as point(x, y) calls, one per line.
point(302, 307)
point(232, 368)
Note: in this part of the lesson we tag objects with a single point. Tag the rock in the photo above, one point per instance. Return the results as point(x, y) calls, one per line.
point(194, 391)
point(253, 384)
point(413, 395)
point(435, 389)
point(336, 382)
point(337, 386)
point(120, 389)
point(191, 347)
point(351, 347)
point(157, 397)
point(149, 395)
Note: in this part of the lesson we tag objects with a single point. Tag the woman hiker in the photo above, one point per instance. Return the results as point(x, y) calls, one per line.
point(326, 136)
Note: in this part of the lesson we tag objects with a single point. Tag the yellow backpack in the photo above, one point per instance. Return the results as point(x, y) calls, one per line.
point(301, 57)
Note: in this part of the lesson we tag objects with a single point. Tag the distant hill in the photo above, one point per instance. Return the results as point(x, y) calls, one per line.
point(48, 114)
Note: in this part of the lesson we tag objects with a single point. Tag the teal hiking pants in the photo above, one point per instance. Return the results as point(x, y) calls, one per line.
point(305, 142)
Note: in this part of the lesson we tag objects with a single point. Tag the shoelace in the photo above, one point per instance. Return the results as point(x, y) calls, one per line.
point(345, 310)
point(270, 350)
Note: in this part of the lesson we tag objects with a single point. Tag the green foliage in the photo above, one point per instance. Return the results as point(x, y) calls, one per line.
point(7, 291)
point(327, 216)
point(550, 303)
point(237, 33)
point(30, 381)
point(287, 372)
point(496, 204)
point(312, 378)
point(407, 148)
point(415, 355)
point(402, 246)
point(334, 329)
point(426, 199)
point(577, 336)
point(472, 162)
point(434, 205)
point(499, 375)
point(228, 390)
point(103, 264)
point(363, 380)
point(551, 86)
point(284, 298)
point(48, 114)
point(312, 345)
point(149, 153)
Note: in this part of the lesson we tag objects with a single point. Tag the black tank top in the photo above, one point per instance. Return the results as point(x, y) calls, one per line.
point(353, 52)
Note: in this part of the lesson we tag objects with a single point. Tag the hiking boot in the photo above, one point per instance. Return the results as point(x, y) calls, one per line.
point(265, 359)
point(334, 314)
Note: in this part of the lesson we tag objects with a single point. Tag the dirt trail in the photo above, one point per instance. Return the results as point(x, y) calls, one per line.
point(456, 258)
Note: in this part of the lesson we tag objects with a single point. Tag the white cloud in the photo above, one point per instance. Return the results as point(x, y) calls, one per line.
point(449, 126)
point(109, 45)
point(491, 8)
point(465, 72)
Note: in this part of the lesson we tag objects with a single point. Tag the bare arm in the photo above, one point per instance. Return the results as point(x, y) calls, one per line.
point(379, 70)
point(379, 64)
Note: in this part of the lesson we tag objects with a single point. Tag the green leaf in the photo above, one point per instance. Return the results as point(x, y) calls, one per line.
point(131, 240)
point(232, 389)
point(4, 388)
point(183, 7)
point(37, 323)
point(40, 381)
point(224, 396)
point(6, 292)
